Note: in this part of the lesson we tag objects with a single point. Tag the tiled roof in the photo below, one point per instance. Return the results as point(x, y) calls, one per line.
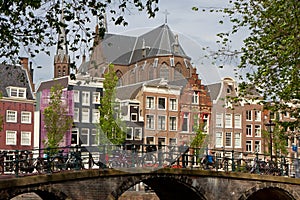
point(16, 76)
point(214, 90)
point(64, 81)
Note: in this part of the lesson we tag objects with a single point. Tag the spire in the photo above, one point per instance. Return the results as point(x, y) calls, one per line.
point(62, 38)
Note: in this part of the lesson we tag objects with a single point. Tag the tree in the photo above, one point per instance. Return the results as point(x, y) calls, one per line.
point(271, 51)
point(112, 129)
point(56, 118)
point(34, 24)
point(200, 137)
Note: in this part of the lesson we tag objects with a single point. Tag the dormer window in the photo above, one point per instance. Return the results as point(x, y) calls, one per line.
point(16, 92)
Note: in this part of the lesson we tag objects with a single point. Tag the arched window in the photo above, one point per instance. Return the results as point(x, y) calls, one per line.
point(164, 71)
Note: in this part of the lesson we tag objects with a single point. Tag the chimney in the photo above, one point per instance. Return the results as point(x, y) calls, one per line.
point(24, 63)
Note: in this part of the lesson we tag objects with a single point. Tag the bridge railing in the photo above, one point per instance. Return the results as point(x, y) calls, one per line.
point(141, 156)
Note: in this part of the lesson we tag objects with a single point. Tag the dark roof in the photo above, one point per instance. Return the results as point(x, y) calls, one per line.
point(214, 90)
point(125, 50)
point(16, 76)
point(64, 81)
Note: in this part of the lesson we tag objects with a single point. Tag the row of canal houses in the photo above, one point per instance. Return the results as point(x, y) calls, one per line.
point(161, 98)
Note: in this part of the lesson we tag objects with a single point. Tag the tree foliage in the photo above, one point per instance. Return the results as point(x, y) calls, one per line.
point(200, 137)
point(35, 24)
point(56, 118)
point(112, 129)
point(271, 51)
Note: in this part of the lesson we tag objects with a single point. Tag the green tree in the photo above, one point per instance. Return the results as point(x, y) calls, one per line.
point(56, 118)
point(200, 136)
point(271, 51)
point(35, 24)
point(112, 129)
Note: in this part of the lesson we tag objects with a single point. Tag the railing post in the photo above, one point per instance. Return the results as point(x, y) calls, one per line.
point(232, 161)
point(257, 164)
point(17, 163)
point(48, 161)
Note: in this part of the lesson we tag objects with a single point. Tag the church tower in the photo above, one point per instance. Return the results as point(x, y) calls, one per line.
point(62, 59)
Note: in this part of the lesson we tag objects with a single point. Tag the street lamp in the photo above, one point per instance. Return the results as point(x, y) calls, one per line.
point(270, 126)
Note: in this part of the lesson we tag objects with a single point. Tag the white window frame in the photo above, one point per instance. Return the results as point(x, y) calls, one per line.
point(219, 139)
point(257, 145)
point(257, 130)
point(257, 115)
point(25, 115)
point(76, 115)
point(96, 97)
point(85, 134)
point(85, 98)
point(238, 121)
point(226, 134)
point(155, 62)
point(161, 122)
point(249, 115)
point(249, 127)
point(25, 138)
point(96, 116)
point(149, 126)
point(139, 137)
point(11, 116)
point(11, 137)
point(131, 117)
point(173, 104)
point(219, 120)
point(228, 120)
point(237, 140)
point(172, 62)
point(249, 142)
point(129, 130)
point(76, 96)
point(171, 124)
point(85, 118)
point(195, 97)
point(19, 92)
point(75, 131)
point(186, 116)
point(158, 103)
point(94, 140)
point(150, 102)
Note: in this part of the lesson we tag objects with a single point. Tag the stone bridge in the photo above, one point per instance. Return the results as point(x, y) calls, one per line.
point(109, 184)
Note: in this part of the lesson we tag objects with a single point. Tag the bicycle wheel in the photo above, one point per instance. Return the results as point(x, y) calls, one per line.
point(149, 160)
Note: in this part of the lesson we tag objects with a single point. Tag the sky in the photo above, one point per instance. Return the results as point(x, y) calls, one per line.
point(196, 29)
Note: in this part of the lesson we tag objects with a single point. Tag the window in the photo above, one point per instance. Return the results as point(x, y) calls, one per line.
point(185, 122)
point(219, 139)
point(249, 145)
point(162, 103)
point(26, 117)
point(155, 63)
point(173, 104)
point(172, 141)
point(74, 138)
point(257, 130)
point(96, 115)
point(237, 140)
point(228, 139)
point(11, 116)
point(150, 121)
point(248, 130)
point(76, 115)
point(85, 98)
point(161, 123)
point(129, 134)
point(16, 92)
point(95, 140)
point(161, 141)
point(257, 115)
point(149, 140)
point(173, 124)
point(195, 98)
point(25, 138)
point(237, 121)
point(248, 115)
point(133, 117)
point(85, 115)
point(11, 137)
point(195, 122)
point(172, 62)
point(76, 96)
point(84, 138)
point(150, 102)
point(137, 133)
point(228, 121)
point(257, 146)
point(219, 120)
point(96, 97)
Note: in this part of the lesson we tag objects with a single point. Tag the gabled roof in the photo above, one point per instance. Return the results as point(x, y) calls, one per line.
point(16, 76)
point(125, 50)
point(214, 90)
point(63, 81)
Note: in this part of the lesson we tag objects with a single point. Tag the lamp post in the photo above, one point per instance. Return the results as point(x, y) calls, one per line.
point(270, 126)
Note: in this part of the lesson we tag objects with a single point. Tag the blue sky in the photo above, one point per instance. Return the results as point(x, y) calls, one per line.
point(196, 29)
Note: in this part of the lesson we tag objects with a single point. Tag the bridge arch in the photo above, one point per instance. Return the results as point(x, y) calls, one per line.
point(44, 192)
point(270, 191)
point(165, 187)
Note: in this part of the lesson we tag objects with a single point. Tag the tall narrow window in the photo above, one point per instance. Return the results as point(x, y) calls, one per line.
point(257, 130)
point(11, 116)
point(96, 115)
point(96, 97)
point(25, 117)
point(85, 98)
point(248, 130)
point(173, 104)
point(237, 140)
point(95, 140)
point(257, 146)
point(161, 103)
point(173, 124)
point(84, 138)
point(85, 115)
point(129, 135)
point(249, 145)
point(149, 121)
point(76, 115)
point(150, 102)
point(237, 121)
point(257, 115)
point(76, 96)
point(228, 121)
point(11, 137)
point(75, 136)
point(25, 138)
point(248, 115)
point(219, 120)
point(219, 139)
point(185, 122)
point(228, 139)
point(195, 98)
point(137, 133)
point(161, 123)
